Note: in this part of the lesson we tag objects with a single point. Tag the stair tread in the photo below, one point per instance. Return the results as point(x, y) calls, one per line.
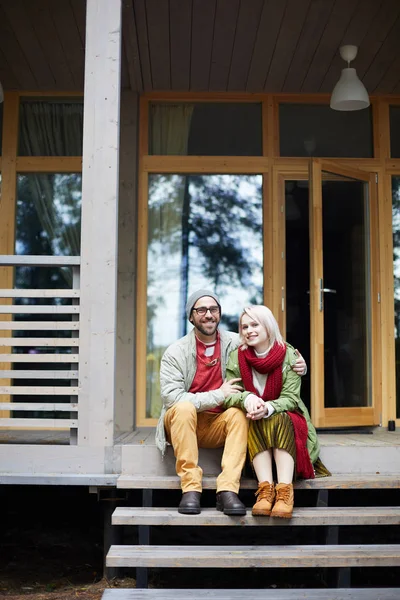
point(352, 515)
point(345, 481)
point(273, 556)
point(255, 594)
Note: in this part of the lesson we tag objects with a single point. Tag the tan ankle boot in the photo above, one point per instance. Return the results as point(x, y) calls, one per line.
point(283, 506)
point(265, 499)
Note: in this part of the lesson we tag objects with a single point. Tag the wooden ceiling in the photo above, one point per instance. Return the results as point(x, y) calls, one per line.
point(207, 45)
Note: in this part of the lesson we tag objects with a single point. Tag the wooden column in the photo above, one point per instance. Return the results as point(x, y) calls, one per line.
point(99, 222)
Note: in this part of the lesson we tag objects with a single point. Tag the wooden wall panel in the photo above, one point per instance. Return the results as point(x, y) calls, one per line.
point(328, 45)
point(292, 24)
point(246, 31)
point(375, 38)
point(384, 58)
point(207, 45)
point(312, 32)
point(362, 19)
point(391, 79)
point(143, 42)
point(224, 35)
point(79, 10)
point(158, 32)
point(68, 33)
point(14, 55)
point(7, 77)
point(131, 47)
point(267, 34)
point(202, 38)
point(29, 42)
point(53, 51)
point(181, 33)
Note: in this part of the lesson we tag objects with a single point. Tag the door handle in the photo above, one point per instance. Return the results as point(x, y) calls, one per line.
point(328, 291)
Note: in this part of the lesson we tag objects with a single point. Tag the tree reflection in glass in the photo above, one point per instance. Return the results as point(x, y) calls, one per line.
point(203, 231)
point(396, 274)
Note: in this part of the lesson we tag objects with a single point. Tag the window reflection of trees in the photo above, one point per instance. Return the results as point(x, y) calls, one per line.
point(204, 231)
point(47, 224)
point(396, 273)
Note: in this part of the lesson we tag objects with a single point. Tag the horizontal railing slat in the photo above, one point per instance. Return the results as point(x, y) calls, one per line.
point(38, 374)
point(45, 309)
point(43, 342)
point(48, 390)
point(39, 406)
point(38, 293)
point(39, 358)
point(39, 423)
point(39, 325)
point(13, 260)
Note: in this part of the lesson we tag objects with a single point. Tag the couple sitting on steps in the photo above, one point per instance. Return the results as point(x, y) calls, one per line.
point(242, 393)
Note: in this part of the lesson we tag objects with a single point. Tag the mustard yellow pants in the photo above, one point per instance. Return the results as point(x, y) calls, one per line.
point(187, 431)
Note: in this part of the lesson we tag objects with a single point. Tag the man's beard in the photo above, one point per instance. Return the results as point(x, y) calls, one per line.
point(204, 331)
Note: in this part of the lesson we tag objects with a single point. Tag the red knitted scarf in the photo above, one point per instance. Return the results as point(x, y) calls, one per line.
point(272, 365)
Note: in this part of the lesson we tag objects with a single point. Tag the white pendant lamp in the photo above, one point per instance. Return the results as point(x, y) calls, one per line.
point(349, 93)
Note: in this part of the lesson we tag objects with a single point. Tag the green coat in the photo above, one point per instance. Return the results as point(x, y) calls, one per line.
point(289, 399)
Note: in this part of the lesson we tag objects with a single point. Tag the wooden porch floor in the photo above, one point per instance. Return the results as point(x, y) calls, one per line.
point(362, 437)
point(145, 437)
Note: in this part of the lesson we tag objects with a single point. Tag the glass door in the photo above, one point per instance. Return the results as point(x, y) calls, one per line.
point(344, 296)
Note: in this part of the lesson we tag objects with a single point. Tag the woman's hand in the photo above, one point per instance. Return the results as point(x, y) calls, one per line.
point(300, 366)
point(255, 407)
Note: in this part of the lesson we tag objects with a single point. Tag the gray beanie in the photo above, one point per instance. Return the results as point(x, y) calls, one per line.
point(195, 296)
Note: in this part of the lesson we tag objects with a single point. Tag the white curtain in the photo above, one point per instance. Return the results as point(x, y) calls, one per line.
point(170, 125)
point(52, 129)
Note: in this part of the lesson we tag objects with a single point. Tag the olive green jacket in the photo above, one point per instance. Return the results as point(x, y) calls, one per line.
point(289, 399)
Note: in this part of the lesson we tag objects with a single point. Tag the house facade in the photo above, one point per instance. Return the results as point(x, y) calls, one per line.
point(151, 148)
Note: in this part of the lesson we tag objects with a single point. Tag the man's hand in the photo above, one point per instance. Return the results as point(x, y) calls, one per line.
point(300, 366)
point(255, 407)
point(231, 387)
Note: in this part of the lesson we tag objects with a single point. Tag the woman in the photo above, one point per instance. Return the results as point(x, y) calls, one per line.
point(280, 429)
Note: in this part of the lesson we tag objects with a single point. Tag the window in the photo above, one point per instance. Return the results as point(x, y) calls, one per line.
point(204, 231)
point(51, 128)
point(394, 115)
point(396, 274)
point(208, 129)
point(48, 214)
point(317, 130)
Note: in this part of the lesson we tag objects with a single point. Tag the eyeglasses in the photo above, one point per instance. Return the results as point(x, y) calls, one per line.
point(202, 310)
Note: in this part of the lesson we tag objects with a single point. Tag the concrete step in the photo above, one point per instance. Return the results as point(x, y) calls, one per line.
point(309, 556)
point(342, 481)
point(352, 515)
point(264, 594)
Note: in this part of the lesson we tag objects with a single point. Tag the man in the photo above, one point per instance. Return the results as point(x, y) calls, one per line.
point(193, 391)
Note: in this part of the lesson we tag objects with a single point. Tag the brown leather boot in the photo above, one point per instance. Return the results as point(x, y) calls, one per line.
point(283, 506)
point(265, 499)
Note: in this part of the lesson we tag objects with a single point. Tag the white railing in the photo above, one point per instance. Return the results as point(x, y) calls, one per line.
point(43, 351)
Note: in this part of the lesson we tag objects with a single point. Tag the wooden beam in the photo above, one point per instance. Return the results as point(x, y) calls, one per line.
point(49, 164)
point(100, 222)
point(131, 46)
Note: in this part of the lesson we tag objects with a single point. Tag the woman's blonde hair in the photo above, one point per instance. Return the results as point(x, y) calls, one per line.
point(262, 315)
